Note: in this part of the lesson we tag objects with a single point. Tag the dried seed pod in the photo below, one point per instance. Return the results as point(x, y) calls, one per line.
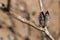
point(47, 18)
point(41, 19)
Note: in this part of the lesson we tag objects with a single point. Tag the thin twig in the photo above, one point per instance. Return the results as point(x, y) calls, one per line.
point(49, 35)
point(27, 22)
point(41, 5)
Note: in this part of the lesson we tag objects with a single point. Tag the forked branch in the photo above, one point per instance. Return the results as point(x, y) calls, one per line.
point(33, 25)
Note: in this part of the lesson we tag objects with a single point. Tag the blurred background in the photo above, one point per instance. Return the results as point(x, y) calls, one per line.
point(20, 29)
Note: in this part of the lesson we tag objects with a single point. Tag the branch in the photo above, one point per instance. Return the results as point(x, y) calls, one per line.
point(33, 25)
point(27, 22)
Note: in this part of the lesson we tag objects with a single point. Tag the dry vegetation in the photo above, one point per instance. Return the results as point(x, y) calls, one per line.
point(23, 30)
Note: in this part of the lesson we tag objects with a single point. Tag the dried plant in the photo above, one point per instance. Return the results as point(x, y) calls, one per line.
point(44, 19)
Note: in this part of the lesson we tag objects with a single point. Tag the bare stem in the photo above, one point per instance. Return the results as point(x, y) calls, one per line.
point(47, 33)
point(27, 22)
point(41, 5)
